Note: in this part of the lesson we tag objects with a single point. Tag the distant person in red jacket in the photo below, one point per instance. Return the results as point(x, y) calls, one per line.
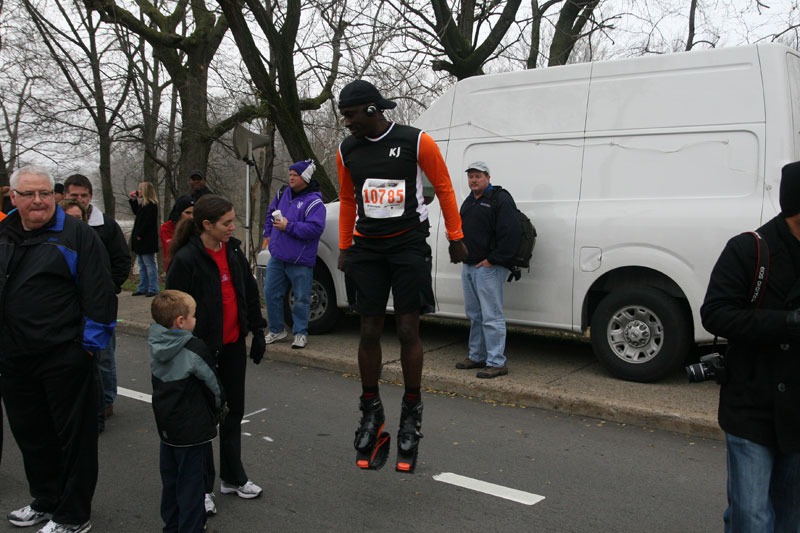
point(182, 210)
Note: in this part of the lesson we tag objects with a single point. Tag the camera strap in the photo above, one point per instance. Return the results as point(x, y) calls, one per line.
point(762, 270)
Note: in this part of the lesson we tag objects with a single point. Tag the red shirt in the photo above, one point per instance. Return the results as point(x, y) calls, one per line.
point(230, 308)
point(166, 232)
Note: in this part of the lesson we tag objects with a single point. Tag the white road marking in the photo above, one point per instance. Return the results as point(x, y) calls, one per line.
point(247, 434)
point(128, 393)
point(245, 421)
point(526, 498)
point(255, 412)
point(267, 439)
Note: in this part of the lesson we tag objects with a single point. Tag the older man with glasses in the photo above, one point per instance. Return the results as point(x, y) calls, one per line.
point(57, 309)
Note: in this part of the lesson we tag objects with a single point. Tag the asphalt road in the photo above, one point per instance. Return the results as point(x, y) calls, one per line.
point(593, 475)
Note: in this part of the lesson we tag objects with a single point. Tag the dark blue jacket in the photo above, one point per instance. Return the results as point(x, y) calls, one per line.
point(490, 233)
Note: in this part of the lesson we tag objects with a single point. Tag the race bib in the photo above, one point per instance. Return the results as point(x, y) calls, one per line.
point(383, 198)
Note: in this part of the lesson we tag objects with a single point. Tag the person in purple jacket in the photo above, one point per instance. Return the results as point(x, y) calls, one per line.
point(294, 224)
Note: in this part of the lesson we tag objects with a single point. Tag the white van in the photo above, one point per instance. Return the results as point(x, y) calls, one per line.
point(635, 173)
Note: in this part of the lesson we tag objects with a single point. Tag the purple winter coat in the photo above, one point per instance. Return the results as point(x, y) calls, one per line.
point(306, 214)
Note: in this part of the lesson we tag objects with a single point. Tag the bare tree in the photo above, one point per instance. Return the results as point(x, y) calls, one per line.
point(452, 36)
point(278, 89)
point(85, 58)
point(187, 59)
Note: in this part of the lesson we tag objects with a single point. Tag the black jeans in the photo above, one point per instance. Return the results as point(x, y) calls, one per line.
point(182, 485)
point(51, 408)
point(231, 369)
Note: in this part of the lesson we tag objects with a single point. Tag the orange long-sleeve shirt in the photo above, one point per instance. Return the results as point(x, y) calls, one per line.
point(429, 160)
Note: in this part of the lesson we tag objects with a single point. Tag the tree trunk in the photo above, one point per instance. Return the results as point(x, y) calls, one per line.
point(4, 176)
point(105, 172)
point(692, 13)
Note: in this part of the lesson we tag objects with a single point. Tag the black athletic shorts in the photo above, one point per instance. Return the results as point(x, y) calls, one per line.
point(401, 263)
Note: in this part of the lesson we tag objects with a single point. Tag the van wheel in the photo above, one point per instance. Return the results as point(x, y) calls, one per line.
point(323, 313)
point(640, 334)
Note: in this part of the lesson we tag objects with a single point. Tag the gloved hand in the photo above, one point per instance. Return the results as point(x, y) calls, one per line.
point(458, 251)
point(340, 262)
point(793, 321)
point(222, 412)
point(258, 346)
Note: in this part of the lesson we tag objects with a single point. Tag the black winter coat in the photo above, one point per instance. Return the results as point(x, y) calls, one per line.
point(144, 237)
point(55, 287)
point(760, 401)
point(194, 271)
point(118, 253)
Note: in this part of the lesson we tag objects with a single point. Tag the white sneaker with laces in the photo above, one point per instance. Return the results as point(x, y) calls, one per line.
point(246, 491)
point(54, 527)
point(300, 341)
point(270, 337)
point(27, 516)
point(211, 507)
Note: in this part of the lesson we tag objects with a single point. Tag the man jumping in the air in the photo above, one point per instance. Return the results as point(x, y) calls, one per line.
point(380, 178)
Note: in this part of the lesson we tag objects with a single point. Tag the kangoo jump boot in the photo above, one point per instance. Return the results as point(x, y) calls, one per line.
point(371, 443)
point(408, 437)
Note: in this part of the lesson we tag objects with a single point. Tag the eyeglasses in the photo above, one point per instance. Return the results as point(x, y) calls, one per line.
point(29, 195)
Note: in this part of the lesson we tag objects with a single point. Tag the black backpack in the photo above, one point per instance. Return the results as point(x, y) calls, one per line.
point(522, 257)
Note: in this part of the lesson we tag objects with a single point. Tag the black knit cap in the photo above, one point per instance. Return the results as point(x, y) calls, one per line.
point(790, 189)
point(181, 205)
point(363, 92)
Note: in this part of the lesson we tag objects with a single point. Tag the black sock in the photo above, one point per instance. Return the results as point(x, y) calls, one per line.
point(412, 395)
point(369, 392)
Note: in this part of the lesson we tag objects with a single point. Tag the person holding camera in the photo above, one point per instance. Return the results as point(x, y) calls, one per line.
point(755, 304)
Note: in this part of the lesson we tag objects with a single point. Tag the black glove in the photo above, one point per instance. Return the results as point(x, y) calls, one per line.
point(458, 251)
point(258, 346)
point(222, 412)
point(793, 322)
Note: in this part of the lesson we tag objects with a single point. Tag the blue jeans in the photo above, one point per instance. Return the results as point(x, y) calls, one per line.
point(148, 273)
point(483, 303)
point(279, 275)
point(763, 488)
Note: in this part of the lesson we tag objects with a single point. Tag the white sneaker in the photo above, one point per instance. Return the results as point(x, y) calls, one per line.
point(211, 507)
point(246, 491)
point(53, 527)
point(270, 337)
point(300, 341)
point(27, 516)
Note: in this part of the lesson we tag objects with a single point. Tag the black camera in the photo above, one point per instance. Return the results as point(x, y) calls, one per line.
point(711, 366)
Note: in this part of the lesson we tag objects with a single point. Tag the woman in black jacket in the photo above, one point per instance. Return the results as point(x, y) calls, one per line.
point(208, 263)
point(144, 237)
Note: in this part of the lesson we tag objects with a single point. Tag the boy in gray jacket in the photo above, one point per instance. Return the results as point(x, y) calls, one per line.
point(186, 399)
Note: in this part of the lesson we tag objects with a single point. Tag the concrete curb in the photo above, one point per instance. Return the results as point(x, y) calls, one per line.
point(553, 398)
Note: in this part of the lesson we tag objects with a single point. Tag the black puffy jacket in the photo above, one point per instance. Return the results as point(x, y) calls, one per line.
point(760, 401)
point(194, 271)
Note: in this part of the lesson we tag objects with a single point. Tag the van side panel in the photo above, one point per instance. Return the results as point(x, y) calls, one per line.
point(529, 129)
point(780, 68)
point(708, 87)
point(672, 169)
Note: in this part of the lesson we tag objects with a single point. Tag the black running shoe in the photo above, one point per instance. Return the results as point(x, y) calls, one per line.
point(408, 437)
point(371, 442)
